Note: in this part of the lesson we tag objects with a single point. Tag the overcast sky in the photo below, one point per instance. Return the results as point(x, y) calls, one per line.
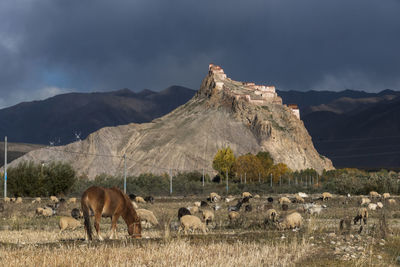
point(48, 46)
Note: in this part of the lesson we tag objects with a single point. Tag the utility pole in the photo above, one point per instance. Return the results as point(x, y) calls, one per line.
point(124, 173)
point(245, 178)
point(271, 180)
point(227, 182)
point(170, 182)
point(259, 178)
point(205, 149)
point(5, 167)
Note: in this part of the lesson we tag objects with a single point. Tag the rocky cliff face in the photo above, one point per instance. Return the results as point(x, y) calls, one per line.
point(247, 117)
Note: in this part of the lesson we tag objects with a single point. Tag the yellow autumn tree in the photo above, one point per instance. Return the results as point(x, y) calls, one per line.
point(279, 170)
point(248, 165)
point(223, 162)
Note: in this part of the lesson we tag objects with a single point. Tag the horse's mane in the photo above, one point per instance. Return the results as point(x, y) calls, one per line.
point(128, 207)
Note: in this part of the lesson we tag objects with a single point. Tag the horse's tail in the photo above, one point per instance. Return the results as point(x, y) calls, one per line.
point(85, 210)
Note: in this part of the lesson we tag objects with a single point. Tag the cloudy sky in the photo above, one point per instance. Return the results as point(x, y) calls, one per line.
point(52, 46)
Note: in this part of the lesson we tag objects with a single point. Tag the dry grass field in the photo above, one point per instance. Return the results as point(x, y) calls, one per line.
point(27, 239)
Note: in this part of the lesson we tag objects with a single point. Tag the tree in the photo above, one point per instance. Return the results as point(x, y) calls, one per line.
point(266, 161)
point(279, 170)
point(223, 161)
point(250, 166)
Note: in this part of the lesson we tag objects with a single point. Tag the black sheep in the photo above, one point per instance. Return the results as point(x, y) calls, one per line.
point(236, 207)
point(270, 199)
point(183, 212)
point(75, 213)
point(245, 200)
point(248, 208)
point(132, 196)
point(149, 199)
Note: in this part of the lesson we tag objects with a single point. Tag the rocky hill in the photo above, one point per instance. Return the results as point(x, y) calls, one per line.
point(224, 112)
point(64, 118)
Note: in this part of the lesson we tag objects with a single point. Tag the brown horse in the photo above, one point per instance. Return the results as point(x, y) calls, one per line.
point(109, 202)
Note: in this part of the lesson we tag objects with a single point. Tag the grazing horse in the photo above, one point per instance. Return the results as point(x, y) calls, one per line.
point(109, 202)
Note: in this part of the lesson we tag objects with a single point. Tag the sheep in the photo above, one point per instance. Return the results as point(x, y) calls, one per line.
point(147, 216)
point(392, 201)
point(208, 216)
point(248, 208)
point(284, 200)
point(48, 212)
point(373, 194)
point(299, 199)
point(197, 204)
point(257, 196)
point(233, 215)
point(291, 221)
point(362, 213)
point(236, 207)
point(272, 215)
point(386, 195)
point(7, 200)
point(39, 211)
point(214, 197)
point(365, 201)
point(270, 199)
point(193, 209)
point(229, 199)
point(285, 207)
point(19, 200)
point(132, 196)
point(372, 206)
point(216, 207)
point(326, 196)
point(182, 212)
point(139, 200)
point(379, 205)
point(76, 213)
point(134, 204)
point(315, 209)
point(247, 194)
point(191, 222)
point(245, 200)
point(303, 195)
point(13, 199)
point(68, 222)
point(37, 200)
point(149, 199)
point(54, 199)
point(71, 200)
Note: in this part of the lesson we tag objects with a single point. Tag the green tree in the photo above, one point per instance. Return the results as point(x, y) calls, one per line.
point(223, 161)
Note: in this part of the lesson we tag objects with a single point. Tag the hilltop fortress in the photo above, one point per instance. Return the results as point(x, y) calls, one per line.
point(260, 95)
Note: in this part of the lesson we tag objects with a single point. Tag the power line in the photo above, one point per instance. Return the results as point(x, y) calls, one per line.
point(356, 139)
point(365, 155)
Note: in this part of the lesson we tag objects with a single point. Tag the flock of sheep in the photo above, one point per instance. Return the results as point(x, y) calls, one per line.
point(201, 213)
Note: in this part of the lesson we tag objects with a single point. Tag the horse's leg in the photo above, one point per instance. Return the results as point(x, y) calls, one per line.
point(97, 218)
point(114, 220)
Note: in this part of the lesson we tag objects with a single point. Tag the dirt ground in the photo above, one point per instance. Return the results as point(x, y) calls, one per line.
point(28, 239)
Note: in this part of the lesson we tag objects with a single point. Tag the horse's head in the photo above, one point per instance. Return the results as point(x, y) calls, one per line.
point(135, 230)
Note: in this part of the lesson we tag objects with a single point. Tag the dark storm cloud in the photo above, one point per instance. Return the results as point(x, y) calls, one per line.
point(48, 47)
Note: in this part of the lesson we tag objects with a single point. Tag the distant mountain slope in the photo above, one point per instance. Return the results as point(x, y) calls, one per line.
point(15, 150)
point(60, 118)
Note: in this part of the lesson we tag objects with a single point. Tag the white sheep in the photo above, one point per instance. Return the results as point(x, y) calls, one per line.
point(48, 212)
point(214, 197)
point(299, 199)
point(291, 221)
point(7, 200)
point(374, 194)
point(392, 201)
point(140, 200)
point(284, 200)
point(246, 194)
point(272, 215)
point(197, 203)
point(365, 201)
point(233, 215)
point(326, 196)
point(68, 222)
point(303, 195)
point(13, 199)
point(372, 206)
point(54, 199)
point(257, 196)
point(316, 209)
point(229, 199)
point(18, 200)
point(37, 200)
point(191, 222)
point(71, 200)
point(39, 211)
point(134, 204)
point(386, 195)
point(379, 205)
point(208, 216)
point(147, 216)
point(193, 209)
